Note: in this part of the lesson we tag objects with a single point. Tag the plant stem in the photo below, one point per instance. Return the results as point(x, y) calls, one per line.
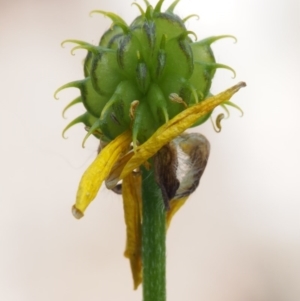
point(153, 240)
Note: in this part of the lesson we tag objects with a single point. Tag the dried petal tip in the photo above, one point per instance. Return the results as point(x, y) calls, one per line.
point(77, 213)
point(241, 84)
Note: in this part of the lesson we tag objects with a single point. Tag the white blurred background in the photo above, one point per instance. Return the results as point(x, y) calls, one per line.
point(238, 237)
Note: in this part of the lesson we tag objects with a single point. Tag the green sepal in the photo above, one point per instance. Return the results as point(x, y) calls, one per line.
point(93, 101)
point(144, 125)
point(111, 36)
point(205, 64)
point(71, 104)
point(142, 77)
point(105, 73)
point(202, 74)
point(147, 3)
point(117, 20)
point(213, 66)
point(168, 24)
point(92, 49)
point(138, 22)
point(231, 104)
point(180, 86)
point(158, 104)
point(179, 59)
point(87, 46)
point(210, 40)
point(127, 55)
point(75, 84)
point(115, 117)
point(86, 118)
point(139, 8)
point(87, 64)
point(95, 128)
point(110, 124)
point(145, 36)
point(158, 6)
point(160, 64)
point(159, 60)
point(171, 8)
point(149, 13)
point(190, 16)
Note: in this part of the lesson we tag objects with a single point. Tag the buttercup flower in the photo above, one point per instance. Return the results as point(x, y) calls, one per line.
point(145, 84)
point(117, 161)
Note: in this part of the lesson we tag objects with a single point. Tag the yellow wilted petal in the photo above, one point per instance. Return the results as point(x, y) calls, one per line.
point(175, 205)
point(114, 176)
point(98, 171)
point(132, 201)
point(176, 126)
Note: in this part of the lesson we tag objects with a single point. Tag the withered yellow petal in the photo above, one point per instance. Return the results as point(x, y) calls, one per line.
point(176, 126)
point(98, 171)
point(132, 201)
point(175, 205)
point(114, 176)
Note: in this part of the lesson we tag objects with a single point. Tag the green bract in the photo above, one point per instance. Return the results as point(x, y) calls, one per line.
point(143, 74)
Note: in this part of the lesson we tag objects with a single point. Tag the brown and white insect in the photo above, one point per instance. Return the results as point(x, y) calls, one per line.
point(193, 150)
point(178, 167)
point(180, 164)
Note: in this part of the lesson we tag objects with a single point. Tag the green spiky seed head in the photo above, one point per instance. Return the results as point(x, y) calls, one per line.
point(141, 75)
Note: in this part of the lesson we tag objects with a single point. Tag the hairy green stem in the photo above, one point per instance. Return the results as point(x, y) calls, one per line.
point(153, 240)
